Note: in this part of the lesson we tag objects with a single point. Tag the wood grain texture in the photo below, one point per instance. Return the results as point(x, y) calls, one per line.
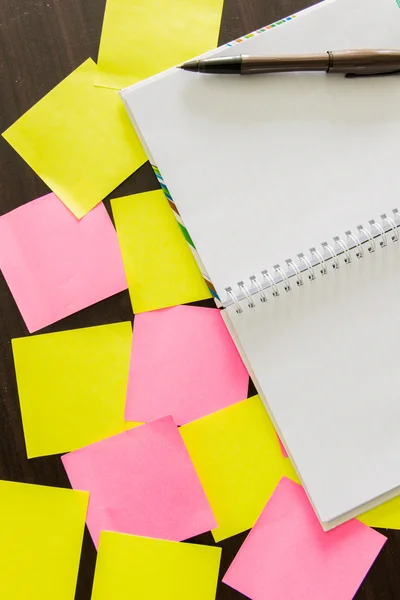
point(42, 41)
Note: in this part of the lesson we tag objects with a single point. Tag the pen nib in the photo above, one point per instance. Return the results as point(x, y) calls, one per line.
point(193, 65)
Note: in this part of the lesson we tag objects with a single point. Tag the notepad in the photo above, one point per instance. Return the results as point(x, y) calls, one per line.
point(145, 37)
point(199, 370)
point(55, 264)
point(286, 184)
point(287, 555)
point(141, 482)
point(41, 540)
point(72, 386)
point(238, 459)
point(159, 265)
point(162, 569)
point(68, 137)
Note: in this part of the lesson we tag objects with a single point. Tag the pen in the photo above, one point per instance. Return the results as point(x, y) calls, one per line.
point(351, 62)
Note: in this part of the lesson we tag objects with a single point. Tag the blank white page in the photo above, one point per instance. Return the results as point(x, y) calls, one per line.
point(263, 167)
point(326, 360)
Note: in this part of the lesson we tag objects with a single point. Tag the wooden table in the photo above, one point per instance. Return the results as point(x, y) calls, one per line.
point(41, 42)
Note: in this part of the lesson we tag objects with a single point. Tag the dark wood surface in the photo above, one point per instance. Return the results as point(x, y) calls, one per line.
point(41, 42)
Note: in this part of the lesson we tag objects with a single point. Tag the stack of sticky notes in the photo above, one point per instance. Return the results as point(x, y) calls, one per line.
point(158, 437)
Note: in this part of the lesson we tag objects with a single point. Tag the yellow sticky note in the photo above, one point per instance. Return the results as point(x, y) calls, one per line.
point(144, 37)
point(40, 542)
point(79, 140)
point(149, 569)
point(159, 265)
point(72, 386)
point(385, 516)
point(238, 459)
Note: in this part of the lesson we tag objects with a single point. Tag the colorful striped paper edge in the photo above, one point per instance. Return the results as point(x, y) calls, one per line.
point(185, 232)
point(263, 29)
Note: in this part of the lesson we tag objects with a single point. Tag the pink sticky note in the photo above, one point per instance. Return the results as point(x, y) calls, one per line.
point(194, 368)
point(56, 265)
point(141, 482)
point(288, 555)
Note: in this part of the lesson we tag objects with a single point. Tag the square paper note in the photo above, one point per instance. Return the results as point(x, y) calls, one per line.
point(56, 265)
point(133, 47)
point(141, 482)
point(79, 140)
point(148, 569)
point(237, 456)
point(159, 263)
point(199, 370)
point(40, 541)
point(72, 386)
point(288, 555)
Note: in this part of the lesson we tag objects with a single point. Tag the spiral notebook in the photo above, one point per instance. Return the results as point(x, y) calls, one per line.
point(289, 187)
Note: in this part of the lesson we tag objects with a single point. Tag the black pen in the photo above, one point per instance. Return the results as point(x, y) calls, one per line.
point(350, 62)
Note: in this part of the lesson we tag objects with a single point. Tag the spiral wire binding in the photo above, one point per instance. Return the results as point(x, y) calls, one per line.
point(303, 259)
point(304, 265)
point(356, 241)
point(243, 287)
point(345, 249)
point(293, 267)
point(367, 234)
point(328, 248)
point(320, 260)
point(256, 283)
point(393, 226)
point(381, 232)
point(271, 280)
point(285, 278)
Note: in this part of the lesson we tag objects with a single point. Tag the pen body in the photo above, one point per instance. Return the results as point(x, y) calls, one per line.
point(358, 62)
point(364, 62)
point(353, 62)
point(284, 64)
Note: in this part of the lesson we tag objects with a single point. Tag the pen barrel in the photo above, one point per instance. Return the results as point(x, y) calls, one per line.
point(364, 62)
point(285, 64)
